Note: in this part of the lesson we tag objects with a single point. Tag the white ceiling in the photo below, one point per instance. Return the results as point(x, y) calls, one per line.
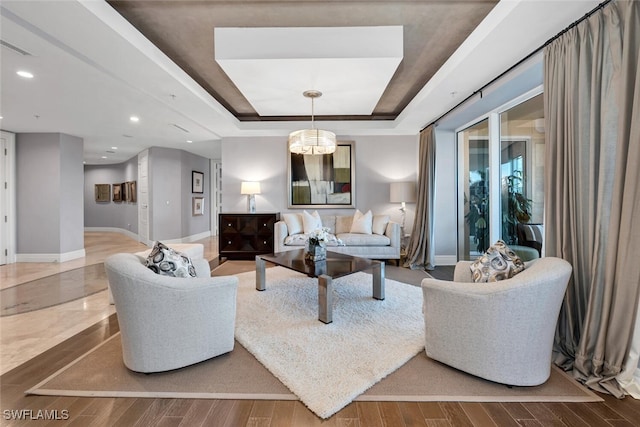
point(93, 70)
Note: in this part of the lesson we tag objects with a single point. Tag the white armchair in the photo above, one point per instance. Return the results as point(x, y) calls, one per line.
point(171, 322)
point(501, 331)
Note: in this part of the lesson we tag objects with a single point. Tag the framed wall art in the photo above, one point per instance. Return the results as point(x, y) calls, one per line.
point(130, 191)
point(103, 193)
point(197, 182)
point(117, 192)
point(322, 181)
point(198, 206)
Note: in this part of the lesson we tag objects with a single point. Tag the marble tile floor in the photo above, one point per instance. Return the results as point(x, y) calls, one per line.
point(26, 335)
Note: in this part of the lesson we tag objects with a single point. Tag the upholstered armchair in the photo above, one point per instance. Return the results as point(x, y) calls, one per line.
point(501, 331)
point(171, 322)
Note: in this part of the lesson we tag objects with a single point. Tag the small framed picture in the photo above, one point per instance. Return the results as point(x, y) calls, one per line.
point(117, 192)
point(103, 193)
point(198, 206)
point(197, 182)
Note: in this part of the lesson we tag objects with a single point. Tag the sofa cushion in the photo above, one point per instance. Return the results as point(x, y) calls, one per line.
point(294, 223)
point(343, 223)
point(167, 262)
point(329, 221)
point(359, 239)
point(310, 222)
point(380, 224)
point(362, 223)
point(499, 262)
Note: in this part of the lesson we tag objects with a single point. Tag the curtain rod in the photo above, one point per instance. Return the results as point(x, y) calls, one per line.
point(479, 91)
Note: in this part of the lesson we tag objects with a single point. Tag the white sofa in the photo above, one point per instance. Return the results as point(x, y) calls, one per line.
point(382, 245)
point(502, 331)
point(171, 322)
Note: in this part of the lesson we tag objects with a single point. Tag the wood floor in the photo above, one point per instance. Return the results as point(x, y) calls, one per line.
point(195, 412)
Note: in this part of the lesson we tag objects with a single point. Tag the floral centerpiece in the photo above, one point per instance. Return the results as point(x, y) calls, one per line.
point(317, 244)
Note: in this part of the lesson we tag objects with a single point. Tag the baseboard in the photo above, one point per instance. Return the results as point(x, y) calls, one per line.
point(188, 239)
point(446, 259)
point(62, 257)
point(127, 233)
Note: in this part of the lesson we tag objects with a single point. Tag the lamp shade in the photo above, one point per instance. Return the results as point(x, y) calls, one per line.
point(403, 192)
point(250, 187)
point(312, 141)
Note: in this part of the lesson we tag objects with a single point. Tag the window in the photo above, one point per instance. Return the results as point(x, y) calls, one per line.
point(500, 175)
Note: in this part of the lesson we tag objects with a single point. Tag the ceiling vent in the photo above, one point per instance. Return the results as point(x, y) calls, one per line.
point(180, 127)
point(14, 48)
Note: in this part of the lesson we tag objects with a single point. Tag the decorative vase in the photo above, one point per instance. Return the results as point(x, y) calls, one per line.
point(315, 251)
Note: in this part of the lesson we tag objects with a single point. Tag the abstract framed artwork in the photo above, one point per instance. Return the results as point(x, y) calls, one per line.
point(197, 182)
point(322, 181)
point(198, 206)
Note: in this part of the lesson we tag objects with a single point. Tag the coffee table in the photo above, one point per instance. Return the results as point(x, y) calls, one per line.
point(335, 266)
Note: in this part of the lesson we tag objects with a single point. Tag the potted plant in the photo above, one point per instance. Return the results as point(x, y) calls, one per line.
point(516, 208)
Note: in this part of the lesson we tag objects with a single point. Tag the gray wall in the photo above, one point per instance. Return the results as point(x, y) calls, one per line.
point(170, 197)
point(379, 161)
point(122, 215)
point(49, 178)
point(170, 194)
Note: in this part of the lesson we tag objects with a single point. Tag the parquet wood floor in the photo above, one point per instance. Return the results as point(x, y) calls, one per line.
point(200, 412)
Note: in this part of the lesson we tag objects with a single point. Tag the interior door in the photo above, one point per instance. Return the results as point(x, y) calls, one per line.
point(143, 197)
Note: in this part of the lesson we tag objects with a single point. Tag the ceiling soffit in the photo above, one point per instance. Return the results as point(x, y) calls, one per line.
point(184, 31)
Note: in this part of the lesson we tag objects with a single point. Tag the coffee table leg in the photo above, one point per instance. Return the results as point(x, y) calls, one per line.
point(325, 299)
point(378, 280)
point(260, 274)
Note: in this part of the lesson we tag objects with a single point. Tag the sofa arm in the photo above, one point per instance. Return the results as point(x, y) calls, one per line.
point(280, 232)
point(393, 233)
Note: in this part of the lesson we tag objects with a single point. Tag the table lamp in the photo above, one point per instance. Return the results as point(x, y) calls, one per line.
point(250, 188)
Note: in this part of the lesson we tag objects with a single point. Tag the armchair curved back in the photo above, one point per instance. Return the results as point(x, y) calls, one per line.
point(501, 331)
point(170, 322)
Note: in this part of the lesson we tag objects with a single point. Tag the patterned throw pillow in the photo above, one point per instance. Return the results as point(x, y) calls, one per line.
point(499, 262)
point(167, 262)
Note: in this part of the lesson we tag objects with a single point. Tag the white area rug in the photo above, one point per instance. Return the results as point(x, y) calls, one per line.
point(327, 366)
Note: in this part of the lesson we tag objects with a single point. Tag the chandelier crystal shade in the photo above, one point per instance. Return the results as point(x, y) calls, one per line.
point(312, 141)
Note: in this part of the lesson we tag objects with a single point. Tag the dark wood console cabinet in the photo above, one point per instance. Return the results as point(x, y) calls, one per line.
point(245, 235)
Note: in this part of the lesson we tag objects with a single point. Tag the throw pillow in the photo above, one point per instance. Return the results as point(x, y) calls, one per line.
point(343, 223)
point(311, 222)
point(294, 223)
point(380, 224)
point(499, 262)
point(362, 223)
point(167, 262)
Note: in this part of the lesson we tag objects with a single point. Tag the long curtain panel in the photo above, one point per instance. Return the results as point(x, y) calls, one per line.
point(420, 249)
point(592, 199)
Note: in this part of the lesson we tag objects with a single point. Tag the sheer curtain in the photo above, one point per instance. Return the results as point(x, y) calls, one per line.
point(420, 250)
point(592, 199)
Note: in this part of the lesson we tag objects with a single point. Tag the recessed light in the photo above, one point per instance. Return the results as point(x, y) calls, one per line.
point(189, 141)
point(114, 148)
point(25, 74)
point(103, 157)
point(134, 119)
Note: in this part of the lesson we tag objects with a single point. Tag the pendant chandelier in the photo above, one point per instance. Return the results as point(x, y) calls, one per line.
point(312, 141)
